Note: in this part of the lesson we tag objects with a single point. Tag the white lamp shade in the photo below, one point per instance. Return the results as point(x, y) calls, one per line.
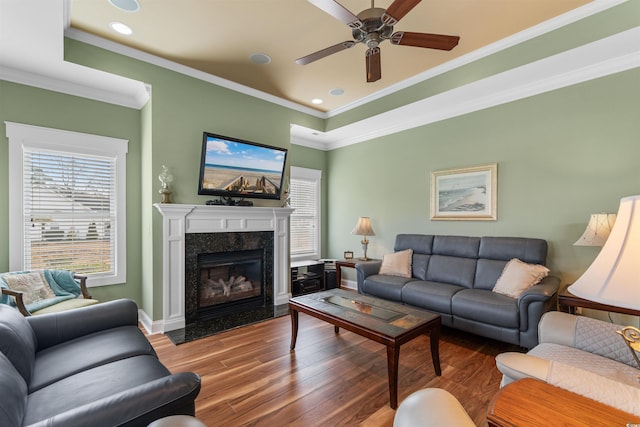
point(363, 227)
point(598, 230)
point(614, 276)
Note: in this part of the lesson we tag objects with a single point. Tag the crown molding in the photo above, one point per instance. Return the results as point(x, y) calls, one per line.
point(614, 54)
point(552, 24)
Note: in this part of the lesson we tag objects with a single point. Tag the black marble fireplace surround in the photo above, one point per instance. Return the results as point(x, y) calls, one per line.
point(197, 244)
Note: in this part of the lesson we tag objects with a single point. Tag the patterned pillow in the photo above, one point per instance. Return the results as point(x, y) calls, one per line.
point(33, 286)
point(397, 263)
point(518, 276)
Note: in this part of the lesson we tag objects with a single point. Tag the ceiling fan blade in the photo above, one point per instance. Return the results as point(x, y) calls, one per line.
point(374, 67)
point(430, 41)
point(325, 52)
point(338, 11)
point(397, 10)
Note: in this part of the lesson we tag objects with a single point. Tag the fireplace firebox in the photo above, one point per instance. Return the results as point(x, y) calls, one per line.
point(230, 282)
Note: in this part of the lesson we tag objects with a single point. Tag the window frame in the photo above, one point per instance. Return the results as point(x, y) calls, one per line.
point(22, 136)
point(314, 175)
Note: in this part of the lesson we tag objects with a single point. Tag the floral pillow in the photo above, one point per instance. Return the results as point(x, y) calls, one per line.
point(33, 286)
point(518, 276)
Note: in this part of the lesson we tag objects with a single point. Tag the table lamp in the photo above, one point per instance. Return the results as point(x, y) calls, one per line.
point(363, 228)
point(598, 230)
point(614, 276)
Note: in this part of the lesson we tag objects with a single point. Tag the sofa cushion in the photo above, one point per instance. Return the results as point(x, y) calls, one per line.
point(385, 286)
point(533, 251)
point(450, 269)
point(419, 243)
point(519, 276)
point(17, 341)
point(91, 385)
point(397, 263)
point(487, 273)
point(458, 246)
point(63, 360)
point(13, 394)
point(420, 265)
point(432, 296)
point(487, 307)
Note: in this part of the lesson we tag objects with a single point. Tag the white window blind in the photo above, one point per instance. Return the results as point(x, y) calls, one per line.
point(67, 202)
point(69, 212)
point(304, 191)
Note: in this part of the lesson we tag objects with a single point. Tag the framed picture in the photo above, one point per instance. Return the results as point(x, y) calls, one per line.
point(348, 255)
point(465, 194)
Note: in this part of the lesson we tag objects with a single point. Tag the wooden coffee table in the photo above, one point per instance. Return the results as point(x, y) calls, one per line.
point(382, 321)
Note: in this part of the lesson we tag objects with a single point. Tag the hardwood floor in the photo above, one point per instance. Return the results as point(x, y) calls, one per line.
point(250, 377)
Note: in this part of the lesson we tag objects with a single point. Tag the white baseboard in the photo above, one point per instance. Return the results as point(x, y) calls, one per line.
point(349, 284)
point(149, 325)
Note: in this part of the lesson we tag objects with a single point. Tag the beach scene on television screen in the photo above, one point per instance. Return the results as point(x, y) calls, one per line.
point(242, 168)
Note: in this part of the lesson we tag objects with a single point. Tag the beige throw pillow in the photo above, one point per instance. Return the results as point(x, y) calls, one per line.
point(397, 263)
point(33, 286)
point(519, 276)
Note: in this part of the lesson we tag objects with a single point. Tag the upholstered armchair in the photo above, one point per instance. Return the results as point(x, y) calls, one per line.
point(45, 291)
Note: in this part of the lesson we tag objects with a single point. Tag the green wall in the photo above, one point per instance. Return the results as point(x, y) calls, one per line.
point(28, 105)
point(561, 156)
point(181, 108)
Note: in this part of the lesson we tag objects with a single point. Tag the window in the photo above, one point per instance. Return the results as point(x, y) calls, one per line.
point(67, 202)
point(304, 192)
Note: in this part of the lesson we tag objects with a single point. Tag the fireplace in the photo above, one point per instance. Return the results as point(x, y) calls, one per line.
point(230, 282)
point(227, 273)
point(180, 223)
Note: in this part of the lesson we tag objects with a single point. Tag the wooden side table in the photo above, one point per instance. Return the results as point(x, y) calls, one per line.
point(348, 263)
point(568, 302)
point(530, 402)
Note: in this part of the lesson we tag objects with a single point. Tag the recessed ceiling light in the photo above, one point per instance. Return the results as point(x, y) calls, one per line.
point(317, 101)
point(337, 91)
point(121, 28)
point(126, 5)
point(260, 58)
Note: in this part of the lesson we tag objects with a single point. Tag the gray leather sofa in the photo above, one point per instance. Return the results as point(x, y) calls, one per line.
point(90, 366)
point(454, 277)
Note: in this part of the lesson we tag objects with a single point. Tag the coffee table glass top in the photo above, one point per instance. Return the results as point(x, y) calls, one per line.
point(386, 317)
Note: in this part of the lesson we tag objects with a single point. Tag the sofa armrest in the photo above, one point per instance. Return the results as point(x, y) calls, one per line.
point(516, 366)
point(83, 286)
point(171, 395)
point(55, 328)
point(365, 270)
point(18, 298)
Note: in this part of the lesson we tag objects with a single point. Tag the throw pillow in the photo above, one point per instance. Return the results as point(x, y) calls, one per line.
point(33, 286)
point(518, 276)
point(397, 263)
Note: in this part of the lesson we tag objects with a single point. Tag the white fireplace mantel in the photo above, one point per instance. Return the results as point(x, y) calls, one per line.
point(178, 220)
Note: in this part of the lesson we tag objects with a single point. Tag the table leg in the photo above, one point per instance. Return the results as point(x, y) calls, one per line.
point(434, 338)
point(393, 356)
point(338, 276)
point(294, 327)
point(336, 329)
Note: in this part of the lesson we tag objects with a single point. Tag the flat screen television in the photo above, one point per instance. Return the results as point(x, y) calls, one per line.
point(231, 167)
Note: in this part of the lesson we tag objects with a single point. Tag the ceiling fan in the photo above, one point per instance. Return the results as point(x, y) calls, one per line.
point(373, 26)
